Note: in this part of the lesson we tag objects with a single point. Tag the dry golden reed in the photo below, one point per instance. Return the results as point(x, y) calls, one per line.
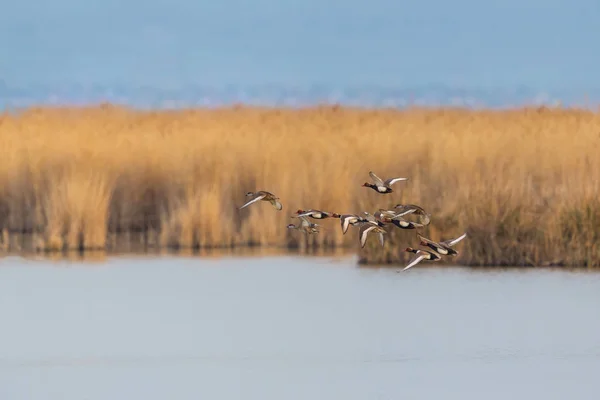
point(524, 184)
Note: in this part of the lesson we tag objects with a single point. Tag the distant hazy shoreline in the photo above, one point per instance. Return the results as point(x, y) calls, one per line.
point(196, 95)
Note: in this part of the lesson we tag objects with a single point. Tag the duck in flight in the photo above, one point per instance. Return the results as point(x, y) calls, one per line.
point(442, 247)
point(424, 216)
point(388, 216)
point(366, 228)
point(305, 226)
point(349, 219)
point(381, 186)
point(421, 255)
point(316, 214)
point(264, 196)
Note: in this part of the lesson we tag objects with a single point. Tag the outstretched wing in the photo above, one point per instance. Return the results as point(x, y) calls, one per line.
point(425, 218)
point(409, 207)
point(452, 242)
point(363, 232)
point(381, 238)
point(345, 221)
point(423, 238)
point(391, 181)
point(369, 218)
point(277, 204)
point(414, 262)
point(405, 212)
point(377, 180)
point(304, 221)
point(307, 213)
point(387, 213)
point(254, 200)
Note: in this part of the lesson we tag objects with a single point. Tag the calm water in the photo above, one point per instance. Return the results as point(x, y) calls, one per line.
point(293, 328)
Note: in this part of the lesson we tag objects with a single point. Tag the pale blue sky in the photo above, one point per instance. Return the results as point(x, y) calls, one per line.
point(170, 43)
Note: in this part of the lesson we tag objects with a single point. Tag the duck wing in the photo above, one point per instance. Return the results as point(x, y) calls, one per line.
point(425, 218)
point(381, 238)
point(452, 242)
point(307, 213)
point(254, 200)
point(363, 232)
point(277, 204)
point(369, 218)
point(345, 222)
point(377, 180)
point(391, 181)
point(304, 221)
point(423, 238)
point(386, 213)
point(414, 262)
point(409, 208)
point(404, 212)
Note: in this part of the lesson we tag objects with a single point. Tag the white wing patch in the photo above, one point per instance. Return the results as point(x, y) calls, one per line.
point(414, 262)
point(403, 213)
point(452, 242)
point(345, 224)
point(364, 232)
point(394, 180)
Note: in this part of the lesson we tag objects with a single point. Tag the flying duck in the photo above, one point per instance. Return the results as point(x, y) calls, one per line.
point(442, 247)
point(421, 255)
point(264, 196)
point(381, 186)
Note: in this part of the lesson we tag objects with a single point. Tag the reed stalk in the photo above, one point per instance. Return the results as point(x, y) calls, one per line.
point(523, 183)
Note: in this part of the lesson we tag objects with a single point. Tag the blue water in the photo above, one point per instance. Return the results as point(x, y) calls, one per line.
point(294, 328)
point(377, 52)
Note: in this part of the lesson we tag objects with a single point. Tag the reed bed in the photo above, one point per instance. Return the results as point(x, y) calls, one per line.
point(524, 183)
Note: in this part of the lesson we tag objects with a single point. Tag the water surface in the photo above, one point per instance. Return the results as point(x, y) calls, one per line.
point(293, 328)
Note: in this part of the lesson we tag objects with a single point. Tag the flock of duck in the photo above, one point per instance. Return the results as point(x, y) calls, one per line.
point(372, 223)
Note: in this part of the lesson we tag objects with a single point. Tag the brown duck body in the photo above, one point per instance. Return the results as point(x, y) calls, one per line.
point(305, 226)
point(263, 195)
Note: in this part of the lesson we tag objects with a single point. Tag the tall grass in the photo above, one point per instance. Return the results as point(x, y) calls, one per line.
point(524, 184)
